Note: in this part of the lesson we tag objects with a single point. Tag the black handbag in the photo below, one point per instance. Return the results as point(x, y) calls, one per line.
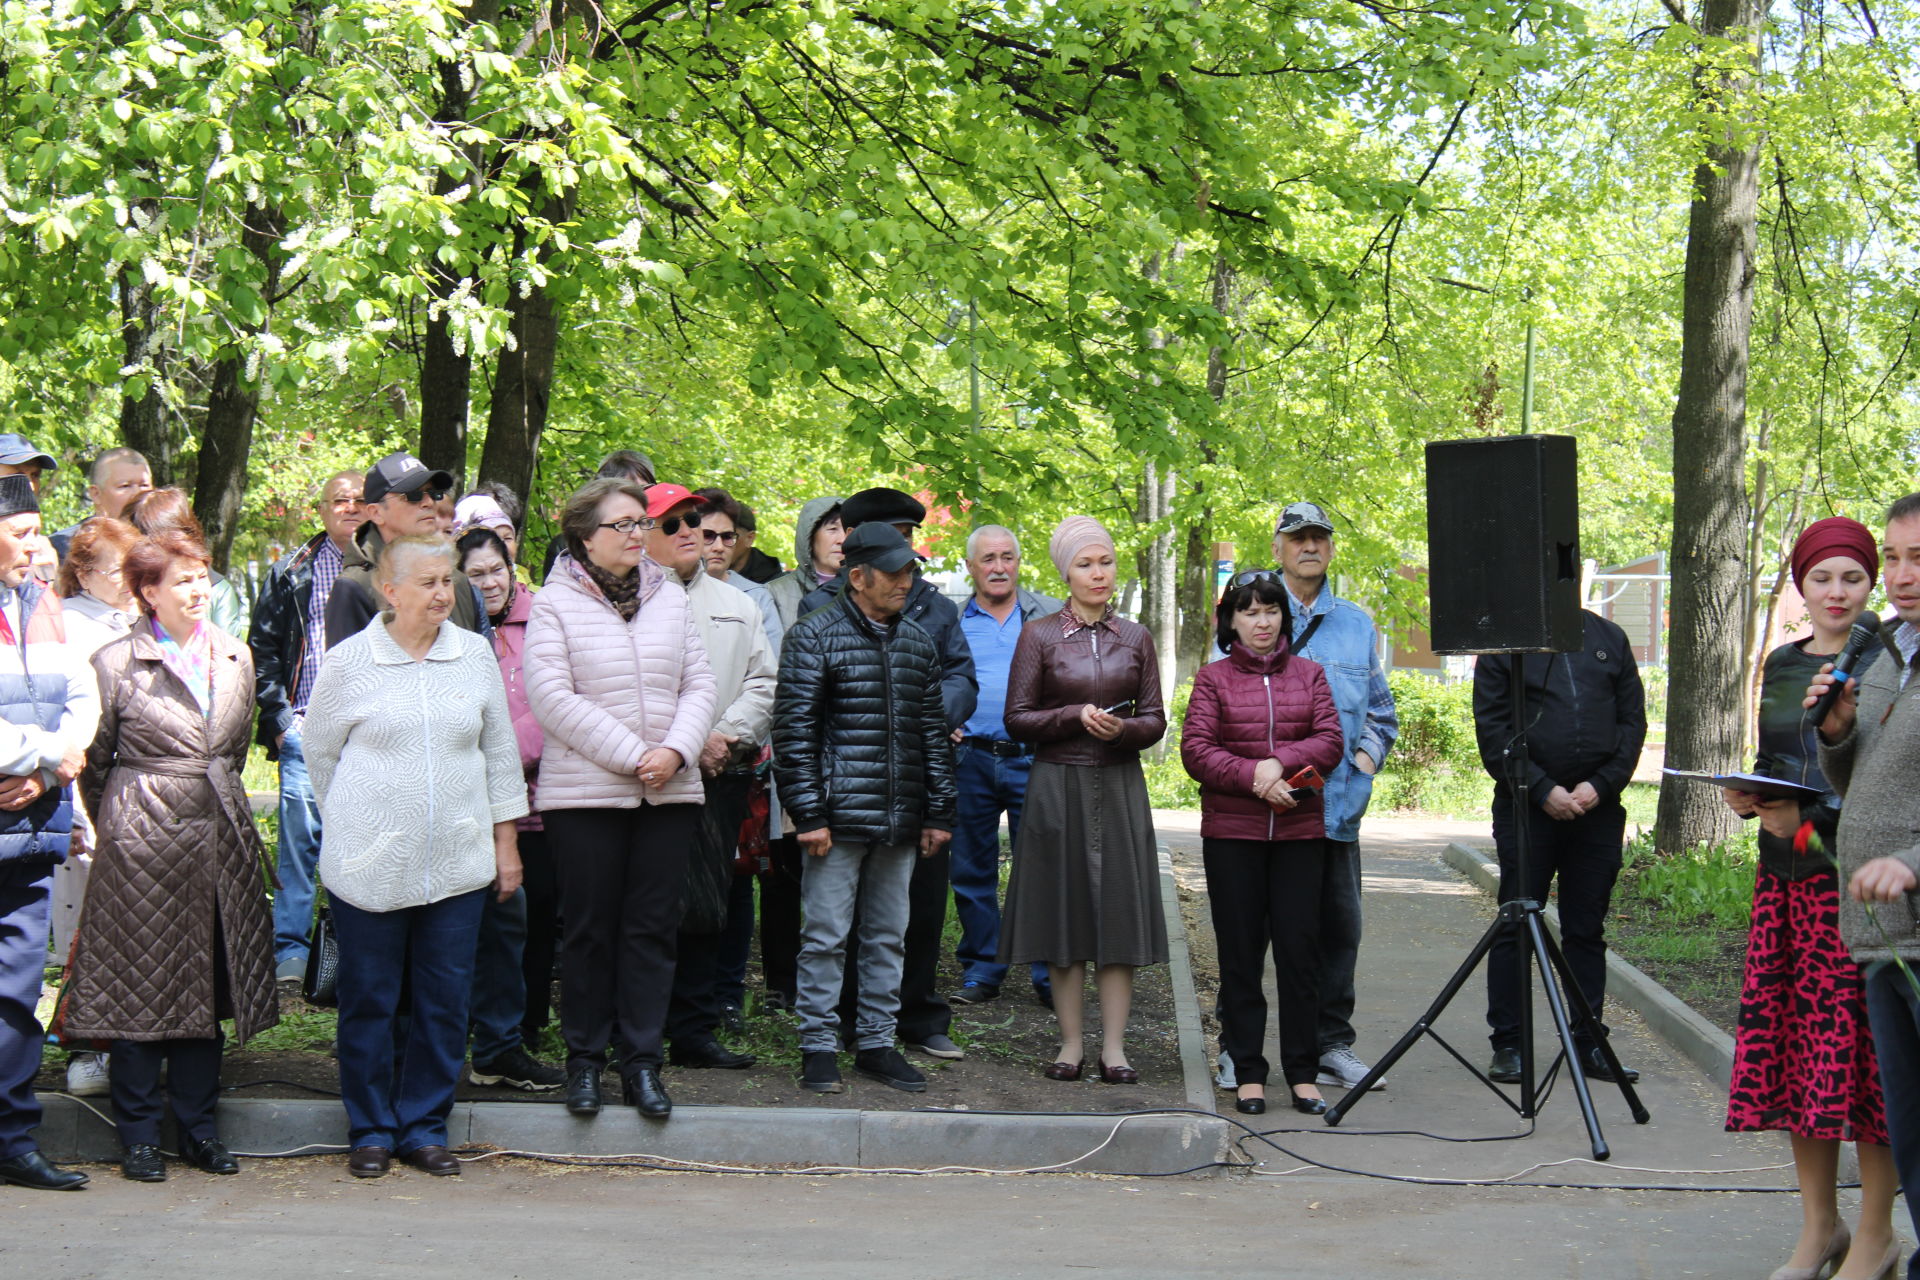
point(321, 984)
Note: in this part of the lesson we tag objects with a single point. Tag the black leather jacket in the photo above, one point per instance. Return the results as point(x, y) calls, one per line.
point(860, 740)
point(278, 638)
point(939, 617)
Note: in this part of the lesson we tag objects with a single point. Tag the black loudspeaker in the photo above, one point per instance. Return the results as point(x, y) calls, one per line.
point(1503, 545)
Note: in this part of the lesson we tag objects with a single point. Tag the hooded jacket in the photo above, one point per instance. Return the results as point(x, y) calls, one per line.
point(1250, 708)
point(607, 690)
point(794, 585)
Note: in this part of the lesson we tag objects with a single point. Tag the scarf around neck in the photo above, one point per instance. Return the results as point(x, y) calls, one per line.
point(622, 593)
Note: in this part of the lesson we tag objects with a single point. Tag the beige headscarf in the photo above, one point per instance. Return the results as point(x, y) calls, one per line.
point(1074, 535)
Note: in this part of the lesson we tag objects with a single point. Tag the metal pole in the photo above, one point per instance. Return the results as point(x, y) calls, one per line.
point(1526, 387)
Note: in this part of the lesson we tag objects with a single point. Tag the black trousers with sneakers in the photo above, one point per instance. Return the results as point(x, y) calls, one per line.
point(1267, 893)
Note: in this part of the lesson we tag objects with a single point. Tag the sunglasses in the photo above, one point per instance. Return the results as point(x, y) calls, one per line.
point(671, 525)
point(714, 535)
point(420, 495)
point(1252, 576)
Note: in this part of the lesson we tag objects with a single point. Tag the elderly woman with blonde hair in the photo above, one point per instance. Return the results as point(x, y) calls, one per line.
point(418, 776)
point(1084, 688)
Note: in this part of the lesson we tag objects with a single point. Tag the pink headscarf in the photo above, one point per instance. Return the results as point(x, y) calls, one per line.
point(1074, 535)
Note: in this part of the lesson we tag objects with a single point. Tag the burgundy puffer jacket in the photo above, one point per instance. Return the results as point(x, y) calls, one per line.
point(1243, 710)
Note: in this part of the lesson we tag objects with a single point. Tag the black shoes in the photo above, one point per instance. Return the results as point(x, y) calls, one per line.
point(33, 1170)
point(889, 1068)
point(820, 1072)
point(1309, 1106)
point(211, 1156)
point(1505, 1067)
point(709, 1053)
point(1597, 1069)
point(647, 1095)
point(583, 1091)
point(517, 1069)
point(143, 1163)
point(1250, 1106)
point(1043, 996)
point(974, 993)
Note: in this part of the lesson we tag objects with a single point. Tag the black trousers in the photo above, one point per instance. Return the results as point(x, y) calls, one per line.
point(622, 875)
point(542, 884)
point(923, 1010)
point(1267, 893)
point(193, 1087)
point(1583, 855)
point(780, 919)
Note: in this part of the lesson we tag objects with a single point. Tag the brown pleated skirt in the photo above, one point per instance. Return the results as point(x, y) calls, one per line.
point(1086, 871)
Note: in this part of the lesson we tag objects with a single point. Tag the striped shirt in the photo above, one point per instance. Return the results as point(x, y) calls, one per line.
point(327, 564)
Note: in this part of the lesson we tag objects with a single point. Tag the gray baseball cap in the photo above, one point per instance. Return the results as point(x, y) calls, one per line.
point(1303, 515)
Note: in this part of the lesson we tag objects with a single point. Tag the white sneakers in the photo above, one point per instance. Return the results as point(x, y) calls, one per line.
point(87, 1075)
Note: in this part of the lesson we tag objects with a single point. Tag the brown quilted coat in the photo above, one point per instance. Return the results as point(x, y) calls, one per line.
point(177, 853)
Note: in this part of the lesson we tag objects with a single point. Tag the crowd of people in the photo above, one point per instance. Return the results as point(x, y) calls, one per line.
point(619, 764)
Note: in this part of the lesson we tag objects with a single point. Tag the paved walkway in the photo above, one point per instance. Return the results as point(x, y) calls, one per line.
point(507, 1219)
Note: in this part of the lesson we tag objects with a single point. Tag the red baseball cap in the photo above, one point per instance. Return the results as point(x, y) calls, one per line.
point(662, 498)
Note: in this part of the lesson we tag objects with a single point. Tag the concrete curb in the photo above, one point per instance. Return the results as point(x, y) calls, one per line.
point(759, 1136)
point(1702, 1043)
point(1186, 1000)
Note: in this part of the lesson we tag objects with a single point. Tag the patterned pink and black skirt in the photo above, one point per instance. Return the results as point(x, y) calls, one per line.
point(1803, 1059)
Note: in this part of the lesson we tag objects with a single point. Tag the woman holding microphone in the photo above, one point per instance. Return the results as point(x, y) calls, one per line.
point(1256, 723)
point(1803, 1054)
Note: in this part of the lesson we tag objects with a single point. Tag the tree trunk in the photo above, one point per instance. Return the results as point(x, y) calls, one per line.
point(523, 382)
point(233, 404)
point(1163, 604)
point(144, 422)
point(1197, 585)
point(1704, 700)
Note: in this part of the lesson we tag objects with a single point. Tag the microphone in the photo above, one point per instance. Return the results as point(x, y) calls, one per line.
point(1858, 641)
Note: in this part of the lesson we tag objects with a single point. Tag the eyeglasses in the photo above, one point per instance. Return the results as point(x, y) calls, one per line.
point(419, 495)
point(627, 525)
point(1252, 576)
point(714, 535)
point(671, 525)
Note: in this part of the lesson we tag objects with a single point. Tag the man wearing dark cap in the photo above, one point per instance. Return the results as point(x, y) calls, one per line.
point(865, 768)
point(748, 560)
point(401, 496)
point(926, 1019)
point(20, 457)
point(49, 707)
point(1337, 634)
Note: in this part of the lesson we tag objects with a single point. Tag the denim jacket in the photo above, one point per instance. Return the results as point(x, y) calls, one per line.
point(1347, 646)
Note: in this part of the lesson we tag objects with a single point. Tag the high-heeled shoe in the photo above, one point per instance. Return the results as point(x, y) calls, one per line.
point(1889, 1265)
point(1118, 1075)
point(1251, 1106)
point(1065, 1070)
point(1309, 1106)
point(1837, 1245)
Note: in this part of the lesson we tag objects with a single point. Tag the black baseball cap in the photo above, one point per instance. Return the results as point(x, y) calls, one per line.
point(881, 506)
point(17, 451)
point(1303, 515)
point(404, 474)
point(17, 496)
point(879, 546)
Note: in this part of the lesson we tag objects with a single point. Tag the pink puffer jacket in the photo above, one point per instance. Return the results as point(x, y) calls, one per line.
point(608, 691)
point(510, 647)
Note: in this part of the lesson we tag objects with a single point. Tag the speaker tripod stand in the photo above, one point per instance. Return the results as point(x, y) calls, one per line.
point(1565, 1001)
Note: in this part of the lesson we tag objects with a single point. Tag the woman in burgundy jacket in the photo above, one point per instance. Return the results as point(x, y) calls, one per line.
point(1256, 718)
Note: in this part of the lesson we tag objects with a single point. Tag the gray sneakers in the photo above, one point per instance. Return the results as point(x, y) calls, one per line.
point(1340, 1069)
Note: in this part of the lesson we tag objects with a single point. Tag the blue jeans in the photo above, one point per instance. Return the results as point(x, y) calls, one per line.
point(26, 909)
point(988, 784)
point(1894, 1011)
point(299, 852)
point(397, 1083)
point(874, 876)
point(499, 1000)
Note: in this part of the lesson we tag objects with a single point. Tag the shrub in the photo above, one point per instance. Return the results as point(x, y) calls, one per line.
point(1168, 786)
point(1712, 883)
point(1435, 763)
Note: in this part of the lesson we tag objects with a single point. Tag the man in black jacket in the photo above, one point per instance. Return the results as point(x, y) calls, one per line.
point(926, 1019)
point(400, 497)
point(1586, 718)
point(288, 638)
point(865, 768)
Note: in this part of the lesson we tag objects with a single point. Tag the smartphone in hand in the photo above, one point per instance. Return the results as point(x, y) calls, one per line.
point(1305, 783)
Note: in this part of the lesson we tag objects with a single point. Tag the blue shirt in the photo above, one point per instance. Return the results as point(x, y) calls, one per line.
point(992, 642)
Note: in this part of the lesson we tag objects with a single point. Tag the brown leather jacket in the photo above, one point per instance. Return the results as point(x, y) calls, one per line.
point(1053, 675)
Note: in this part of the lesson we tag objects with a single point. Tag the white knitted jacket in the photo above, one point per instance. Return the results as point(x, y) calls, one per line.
point(606, 691)
point(412, 763)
